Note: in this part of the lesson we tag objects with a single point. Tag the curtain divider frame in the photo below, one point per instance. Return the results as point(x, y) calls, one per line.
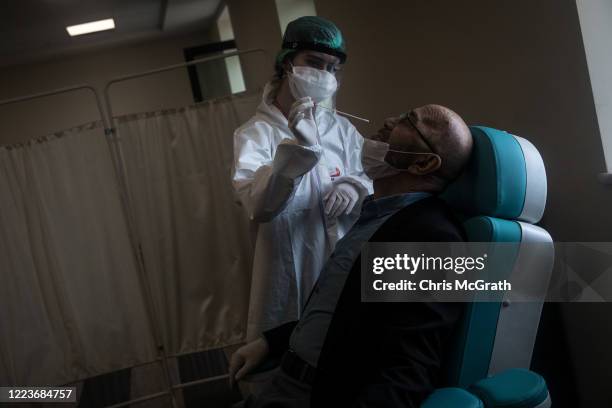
point(110, 131)
point(113, 134)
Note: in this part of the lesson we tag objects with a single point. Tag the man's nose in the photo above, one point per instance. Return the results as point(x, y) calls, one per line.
point(390, 123)
point(382, 135)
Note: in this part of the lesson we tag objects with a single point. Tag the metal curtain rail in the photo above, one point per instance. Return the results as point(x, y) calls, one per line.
point(61, 91)
point(160, 394)
point(107, 98)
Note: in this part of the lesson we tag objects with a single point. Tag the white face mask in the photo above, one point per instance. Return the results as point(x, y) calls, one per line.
point(373, 156)
point(316, 83)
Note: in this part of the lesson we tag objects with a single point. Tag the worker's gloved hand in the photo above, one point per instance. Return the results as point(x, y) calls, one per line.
point(302, 122)
point(341, 199)
point(246, 358)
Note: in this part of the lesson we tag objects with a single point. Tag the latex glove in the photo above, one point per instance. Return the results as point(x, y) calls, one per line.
point(341, 199)
point(246, 358)
point(302, 122)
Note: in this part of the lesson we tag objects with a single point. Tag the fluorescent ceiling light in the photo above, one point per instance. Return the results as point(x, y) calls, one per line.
point(92, 27)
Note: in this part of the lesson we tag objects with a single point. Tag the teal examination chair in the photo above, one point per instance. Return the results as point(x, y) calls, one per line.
point(500, 196)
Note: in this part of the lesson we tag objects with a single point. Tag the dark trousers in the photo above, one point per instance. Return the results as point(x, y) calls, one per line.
point(281, 391)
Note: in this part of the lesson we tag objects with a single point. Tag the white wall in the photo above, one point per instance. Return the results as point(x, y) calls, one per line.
point(256, 25)
point(289, 10)
point(596, 25)
point(232, 64)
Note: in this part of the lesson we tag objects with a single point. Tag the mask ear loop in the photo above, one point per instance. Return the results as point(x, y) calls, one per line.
point(417, 153)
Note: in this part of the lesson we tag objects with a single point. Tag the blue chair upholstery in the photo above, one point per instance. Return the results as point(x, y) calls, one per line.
point(505, 178)
point(500, 195)
point(452, 398)
point(514, 388)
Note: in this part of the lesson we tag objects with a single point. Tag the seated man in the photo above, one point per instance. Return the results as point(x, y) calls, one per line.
point(345, 353)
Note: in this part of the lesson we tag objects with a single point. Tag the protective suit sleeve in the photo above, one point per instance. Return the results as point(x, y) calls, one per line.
point(265, 182)
point(354, 173)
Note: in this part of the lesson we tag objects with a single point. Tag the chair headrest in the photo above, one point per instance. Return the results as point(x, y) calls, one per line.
point(504, 178)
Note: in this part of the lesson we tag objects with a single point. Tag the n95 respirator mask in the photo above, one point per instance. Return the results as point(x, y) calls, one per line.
point(318, 84)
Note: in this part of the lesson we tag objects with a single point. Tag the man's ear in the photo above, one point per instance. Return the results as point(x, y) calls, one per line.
point(425, 164)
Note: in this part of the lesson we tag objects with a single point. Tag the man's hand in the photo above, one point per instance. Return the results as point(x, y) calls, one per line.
point(341, 199)
point(246, 358)
point(302, 122)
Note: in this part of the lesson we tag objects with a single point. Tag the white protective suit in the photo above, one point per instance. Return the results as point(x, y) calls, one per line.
point(294, 237)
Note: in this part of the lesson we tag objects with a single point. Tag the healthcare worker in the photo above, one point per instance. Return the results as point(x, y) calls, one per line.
point(297, 172)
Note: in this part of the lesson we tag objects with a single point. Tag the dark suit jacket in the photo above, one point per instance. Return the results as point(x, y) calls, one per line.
point(385, 354)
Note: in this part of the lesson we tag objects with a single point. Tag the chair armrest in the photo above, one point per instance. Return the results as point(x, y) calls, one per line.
point(451, 398)
point(513, 388)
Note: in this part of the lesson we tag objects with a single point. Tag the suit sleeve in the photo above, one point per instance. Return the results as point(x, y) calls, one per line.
point(264, 178)
point(278, 338)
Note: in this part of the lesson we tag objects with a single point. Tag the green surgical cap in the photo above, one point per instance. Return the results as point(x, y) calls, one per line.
point(315, 34)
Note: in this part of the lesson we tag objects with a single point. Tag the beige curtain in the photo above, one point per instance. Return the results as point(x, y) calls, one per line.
point(195, 238)
point(70, 303)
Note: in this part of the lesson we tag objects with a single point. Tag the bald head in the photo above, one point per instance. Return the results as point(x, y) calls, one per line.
point(429, 129)
point(447, 135)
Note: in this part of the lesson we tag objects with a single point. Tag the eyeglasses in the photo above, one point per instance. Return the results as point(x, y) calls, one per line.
point(406, 117)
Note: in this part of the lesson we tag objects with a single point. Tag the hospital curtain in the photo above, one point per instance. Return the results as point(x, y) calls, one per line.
point(195, 238)
point(70, 303)
point(73, 300)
